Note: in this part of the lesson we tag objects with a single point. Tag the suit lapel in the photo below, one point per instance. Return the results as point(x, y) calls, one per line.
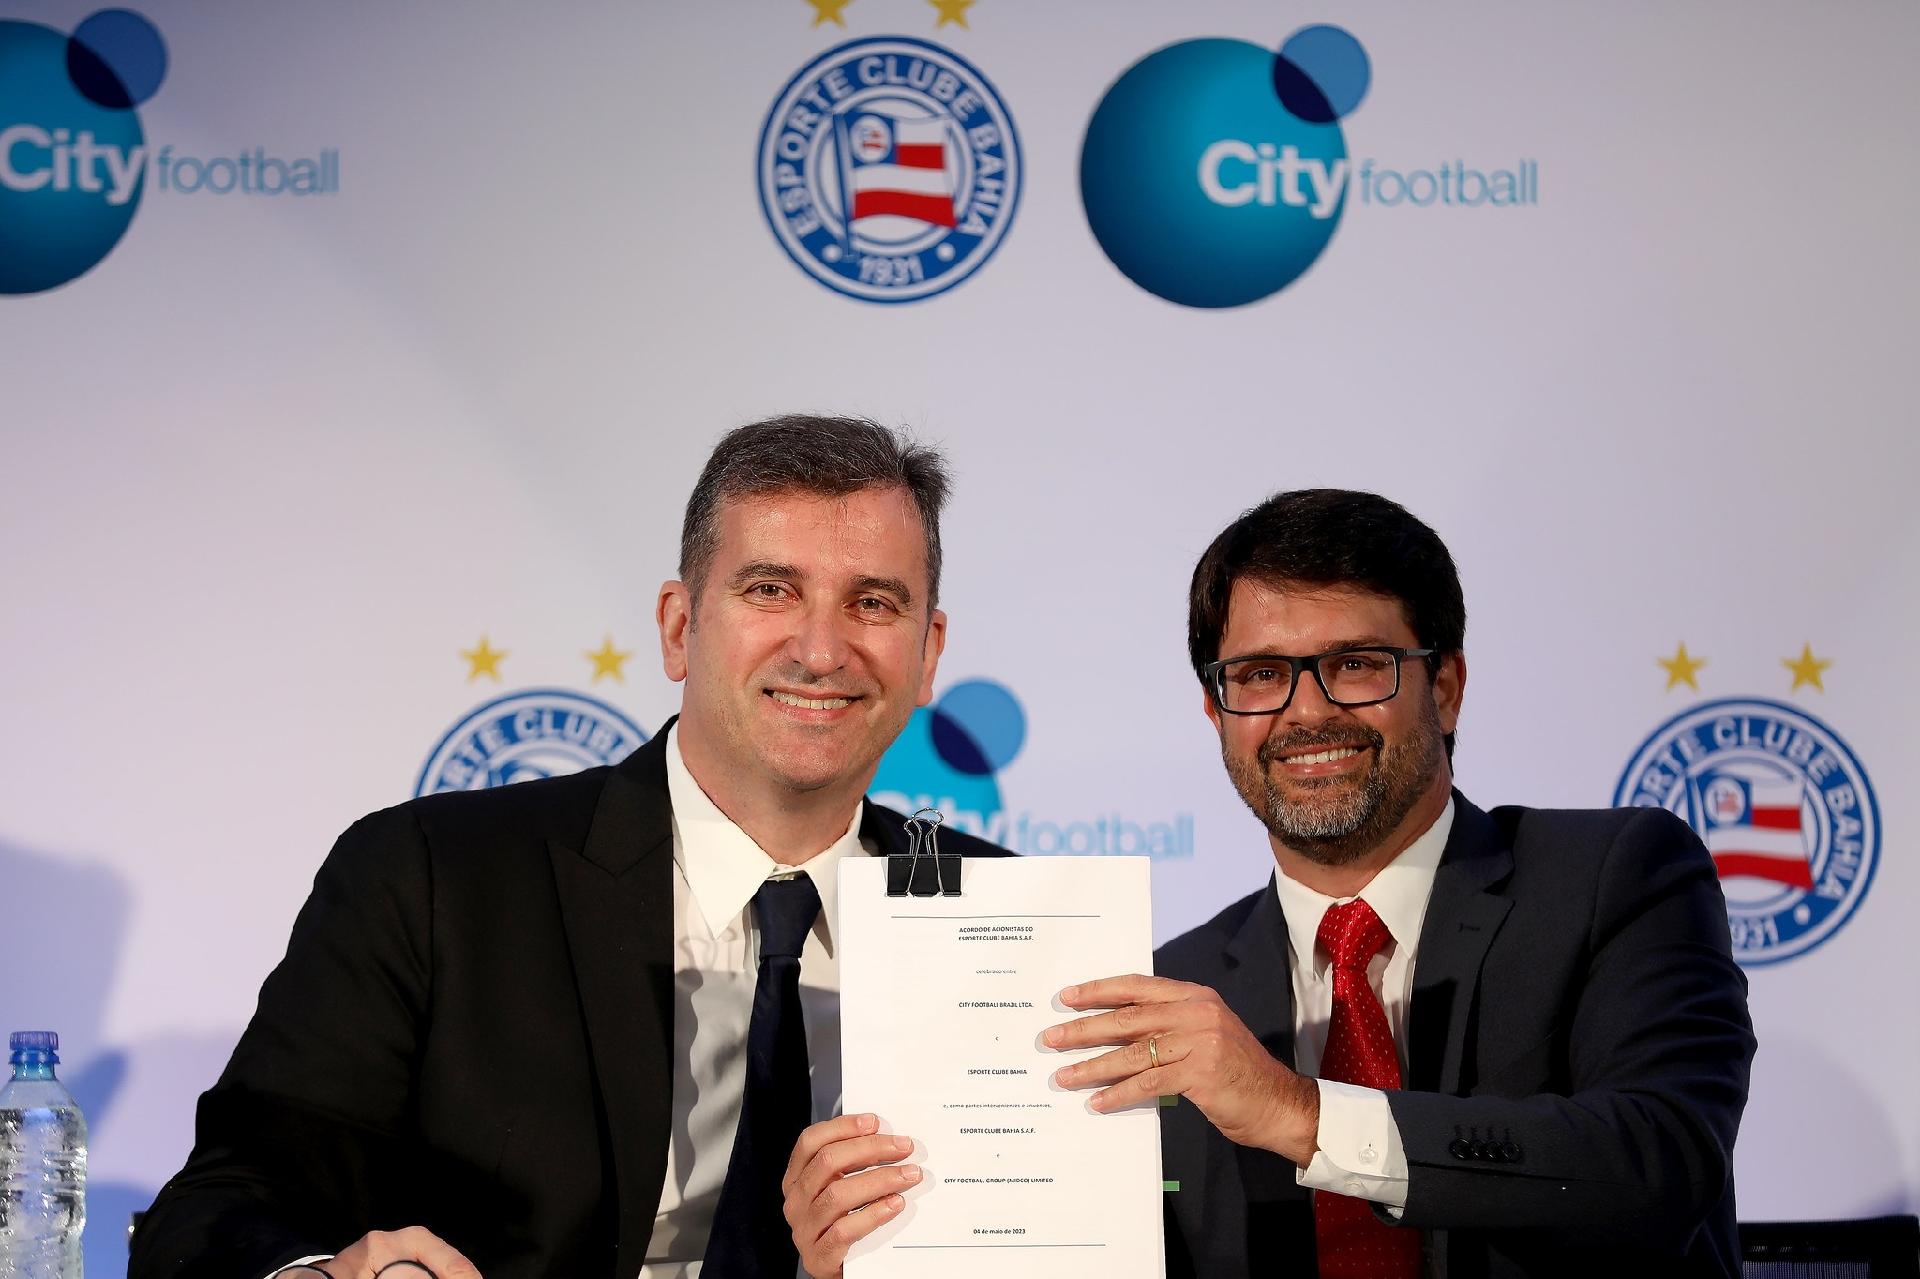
point(882, 835)
point(616, 901)
point(1462, 918)
point(1238, 1189)
point(1259, 983)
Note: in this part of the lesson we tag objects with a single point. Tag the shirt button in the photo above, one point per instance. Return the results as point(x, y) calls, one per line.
point(1369, 1155)
point(1353, 1187)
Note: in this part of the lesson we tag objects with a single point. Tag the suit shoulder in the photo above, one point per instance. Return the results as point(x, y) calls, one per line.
point(558, 808)
point(1195, 954)
point(1597, 835)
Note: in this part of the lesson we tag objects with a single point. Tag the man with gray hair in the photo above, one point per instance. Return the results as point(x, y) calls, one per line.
point(575, 1026)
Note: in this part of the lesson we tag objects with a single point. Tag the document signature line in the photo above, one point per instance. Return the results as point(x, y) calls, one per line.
point(997, 917)
point(922, 1246)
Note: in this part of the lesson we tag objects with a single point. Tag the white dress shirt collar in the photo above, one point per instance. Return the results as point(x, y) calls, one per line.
point(724, 868)
point(1398, 895)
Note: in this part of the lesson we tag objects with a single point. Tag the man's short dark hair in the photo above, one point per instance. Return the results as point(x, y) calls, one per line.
point(821, 456)
point(1330, 537)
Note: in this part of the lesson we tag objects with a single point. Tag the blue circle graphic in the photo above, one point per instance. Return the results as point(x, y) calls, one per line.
point(71, 171)
point(915, 773)
point(117, 58)
point(978, 727)
point(1322, 74)
point(1200, 185)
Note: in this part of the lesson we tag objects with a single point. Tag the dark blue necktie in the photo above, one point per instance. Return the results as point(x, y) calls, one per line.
point(751, 1239)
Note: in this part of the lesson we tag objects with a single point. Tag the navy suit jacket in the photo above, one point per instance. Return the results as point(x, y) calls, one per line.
point(472, 1031)
point(1578, 1050)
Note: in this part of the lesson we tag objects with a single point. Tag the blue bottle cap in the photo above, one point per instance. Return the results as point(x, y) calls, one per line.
point(33, 1040)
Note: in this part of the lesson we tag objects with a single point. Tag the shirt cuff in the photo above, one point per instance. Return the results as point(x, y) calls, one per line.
point(304, 1261)
point(1360, 1153)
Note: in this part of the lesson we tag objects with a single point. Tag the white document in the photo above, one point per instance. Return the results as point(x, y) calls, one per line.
point(942, 1002)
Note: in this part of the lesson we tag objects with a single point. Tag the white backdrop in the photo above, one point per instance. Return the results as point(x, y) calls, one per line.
point(275, 462)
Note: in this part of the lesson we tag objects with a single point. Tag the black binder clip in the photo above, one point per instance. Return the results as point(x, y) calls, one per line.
point(923, 870)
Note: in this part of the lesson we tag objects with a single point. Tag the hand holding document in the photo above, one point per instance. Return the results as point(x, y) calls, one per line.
point(943, 1003)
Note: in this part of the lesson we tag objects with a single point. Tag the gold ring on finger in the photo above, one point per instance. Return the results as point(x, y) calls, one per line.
point(1153, 1050)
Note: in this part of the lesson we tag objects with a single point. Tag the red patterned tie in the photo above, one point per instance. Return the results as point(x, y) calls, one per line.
point(1353, 1243)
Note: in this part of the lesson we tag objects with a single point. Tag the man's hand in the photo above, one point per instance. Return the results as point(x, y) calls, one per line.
point(1204, 1053)
point(840, 1188)
point(365, 1258)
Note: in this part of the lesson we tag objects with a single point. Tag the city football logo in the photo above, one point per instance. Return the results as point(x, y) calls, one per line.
point(72, 151)
point(525, 736)
point(950, 753)
point(1783, 806)
point(950, 757)
point(75, 160)
point(1214, 172)
point(889, 169)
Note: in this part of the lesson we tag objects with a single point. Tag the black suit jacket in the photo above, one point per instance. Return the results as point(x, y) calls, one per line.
point(1579, 1049)
point(472, 1031)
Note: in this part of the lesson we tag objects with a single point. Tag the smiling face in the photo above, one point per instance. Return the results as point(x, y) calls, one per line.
point(1338, 785)
point(810, 645)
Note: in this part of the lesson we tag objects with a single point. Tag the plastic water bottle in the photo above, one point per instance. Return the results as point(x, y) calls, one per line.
point(43, 1165)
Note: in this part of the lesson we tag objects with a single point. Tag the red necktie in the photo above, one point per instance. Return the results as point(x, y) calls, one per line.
point(1353, 1242)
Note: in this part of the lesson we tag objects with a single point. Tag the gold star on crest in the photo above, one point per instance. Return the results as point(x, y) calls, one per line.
point(954, 11)
point(483, 659)
point(1806, 668)
point(825, 11)
point(1681, 668)
point(608, 661)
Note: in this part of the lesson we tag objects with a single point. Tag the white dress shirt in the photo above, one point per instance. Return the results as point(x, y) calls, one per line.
point(717, 869)
point(1360, 1152)
point(716, 962)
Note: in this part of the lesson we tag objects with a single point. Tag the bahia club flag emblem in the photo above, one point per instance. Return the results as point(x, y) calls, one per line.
point(1784, 807)
point(896, 166)
point(1753, 827)
point(889, 169)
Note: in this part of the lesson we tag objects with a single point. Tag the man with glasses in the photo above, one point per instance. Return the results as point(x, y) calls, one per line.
point(1441, 1040)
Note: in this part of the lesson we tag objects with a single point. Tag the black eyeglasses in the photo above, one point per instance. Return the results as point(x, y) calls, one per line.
point(1264, 683)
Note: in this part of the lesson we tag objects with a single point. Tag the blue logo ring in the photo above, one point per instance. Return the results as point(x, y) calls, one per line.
point(1720, 750)
point(912, 140)
point(535, 733)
